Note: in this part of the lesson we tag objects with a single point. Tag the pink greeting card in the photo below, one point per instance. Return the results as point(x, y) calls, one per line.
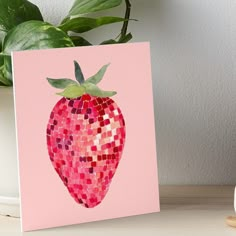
point(85, 133)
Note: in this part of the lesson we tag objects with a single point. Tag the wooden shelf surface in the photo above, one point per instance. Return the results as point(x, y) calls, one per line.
point(185, 210)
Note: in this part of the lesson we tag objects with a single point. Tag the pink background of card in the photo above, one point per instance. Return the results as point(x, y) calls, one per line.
point(45, 201)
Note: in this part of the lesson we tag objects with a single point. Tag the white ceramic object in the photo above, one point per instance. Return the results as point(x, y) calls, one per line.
point(9, 192)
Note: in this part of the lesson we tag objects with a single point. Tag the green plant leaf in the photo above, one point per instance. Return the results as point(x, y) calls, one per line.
point(93, 90)
point(109, 41)
point(14, 12)
point(35, 35)
point(78, 73)
point(73, 91)
point(98, 76)
point(61, 83)
point(84, 24)
point(79, 41)
point(126, 38)
point(4, 81)
point(1, 40)
point(1, 60)
point(32, 35)
point(5, 70)
point(87, 6)
point(1, 84)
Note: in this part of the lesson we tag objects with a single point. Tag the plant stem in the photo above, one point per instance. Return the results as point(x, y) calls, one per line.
point(126, 22)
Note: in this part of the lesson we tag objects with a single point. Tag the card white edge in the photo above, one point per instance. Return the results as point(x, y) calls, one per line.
point(17, 147)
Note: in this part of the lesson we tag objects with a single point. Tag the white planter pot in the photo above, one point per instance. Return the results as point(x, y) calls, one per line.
point(9, 192)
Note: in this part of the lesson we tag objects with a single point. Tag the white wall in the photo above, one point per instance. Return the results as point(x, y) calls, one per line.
point(194, 75)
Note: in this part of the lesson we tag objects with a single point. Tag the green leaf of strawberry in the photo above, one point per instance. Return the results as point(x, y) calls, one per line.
point(61, 83)
point(93, 90)
point(73, 91)
point(95, 79)
point(78, 73)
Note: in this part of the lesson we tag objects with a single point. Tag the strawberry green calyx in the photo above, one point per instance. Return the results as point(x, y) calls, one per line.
point(78, 73)
point(74, 89)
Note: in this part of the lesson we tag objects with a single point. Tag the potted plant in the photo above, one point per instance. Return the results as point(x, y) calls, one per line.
point(22, 27)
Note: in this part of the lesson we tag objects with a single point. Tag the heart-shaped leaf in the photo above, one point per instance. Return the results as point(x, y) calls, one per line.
point(32, 35)
point(84, 24)
point(73, 91)
point(35, 35)
point(87, 6)
point(14, 12)
point(94, 90)
point(61, 83)
point(95, 79)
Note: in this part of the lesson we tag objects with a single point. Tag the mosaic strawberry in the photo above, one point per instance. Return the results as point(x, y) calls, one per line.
point(85, 137)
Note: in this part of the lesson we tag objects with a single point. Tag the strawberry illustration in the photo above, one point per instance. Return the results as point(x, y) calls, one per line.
point(85, 137)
